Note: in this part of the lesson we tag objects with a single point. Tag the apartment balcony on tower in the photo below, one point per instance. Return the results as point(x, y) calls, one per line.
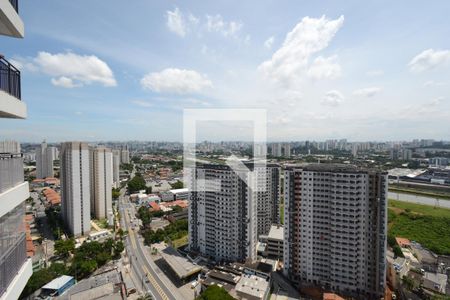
point(11, 104)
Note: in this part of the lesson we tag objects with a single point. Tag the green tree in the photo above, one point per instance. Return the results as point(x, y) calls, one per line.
point(176, 209)
point(408, 282)
point(115, 193)
point(137, 183)
point(177, 185)
point(145, 216)
point(145, 297)
point(118, 249)
point(37, 280)
point(397, 251)
point(64, 247)
point(214, 292)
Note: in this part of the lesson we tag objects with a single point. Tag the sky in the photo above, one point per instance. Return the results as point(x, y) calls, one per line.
point(360, 70)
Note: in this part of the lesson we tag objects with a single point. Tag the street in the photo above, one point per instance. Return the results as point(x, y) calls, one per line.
point(140, 264)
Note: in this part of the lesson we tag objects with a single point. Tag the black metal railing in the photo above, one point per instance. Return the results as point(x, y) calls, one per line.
point(15, 4)
point(9, 78)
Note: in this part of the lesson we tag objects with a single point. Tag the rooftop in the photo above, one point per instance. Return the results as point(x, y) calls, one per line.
point(183, 190)
point(180, 264)
point(57, 283)
point(253, 286)
point(402, 242)
point(276, 232)
point(341, 168)
point(331, 296)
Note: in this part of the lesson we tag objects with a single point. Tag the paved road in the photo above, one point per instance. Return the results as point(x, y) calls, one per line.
point(141, 265)
point(418, 199)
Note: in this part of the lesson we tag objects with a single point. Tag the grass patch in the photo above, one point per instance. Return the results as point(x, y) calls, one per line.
point(425, 224)
point(282, 214)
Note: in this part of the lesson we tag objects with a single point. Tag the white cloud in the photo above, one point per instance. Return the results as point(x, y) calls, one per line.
point(367, 92)
point(429, 59)
point(217, 24)
point(69, 70)
point(193, 19)
point(269, 42)
point(332, 98)
point(175, 22)
point(290, 62)
point(177, 81)
point(325, 68)
point(72, 70)
point(142, 103)
point(435, 83)
point(374, 73)
point(64, 82)
point(437, 101)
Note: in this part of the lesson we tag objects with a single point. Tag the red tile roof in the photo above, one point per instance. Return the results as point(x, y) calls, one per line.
point(402, 242)
point(331, 296)
point(154, 206)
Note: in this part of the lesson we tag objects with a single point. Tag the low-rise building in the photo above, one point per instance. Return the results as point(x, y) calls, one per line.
point(435, 282)
point(58, 285)
point(252, 287)
point(99, 235)
point(275, 242)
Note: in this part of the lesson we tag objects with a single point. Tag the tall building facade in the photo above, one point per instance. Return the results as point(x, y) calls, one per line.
point(125, 155)
point(15, 266)
point(287, 150)
point(276, 149)
point(222, 213)
point(116, 168)
point(267, 197)
point(101, 179)
point(335, 228)
point(44, 160)
point(75, 187)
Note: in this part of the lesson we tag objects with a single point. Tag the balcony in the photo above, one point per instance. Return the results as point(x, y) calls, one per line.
point(13, 190)
point(10, 22)
point(11, 171)
point(11, 105)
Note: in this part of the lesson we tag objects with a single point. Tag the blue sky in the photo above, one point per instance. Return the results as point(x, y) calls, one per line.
point(102, 70)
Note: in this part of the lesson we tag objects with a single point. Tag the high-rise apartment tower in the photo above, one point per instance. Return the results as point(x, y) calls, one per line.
point(335, 228)
point(75, 187)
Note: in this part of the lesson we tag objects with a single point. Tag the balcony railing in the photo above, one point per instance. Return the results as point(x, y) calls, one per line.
point(9, 78)
point(11, 170)
point(11, 262)
point(15, 4)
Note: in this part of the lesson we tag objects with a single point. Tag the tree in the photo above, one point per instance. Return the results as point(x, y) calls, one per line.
point(397, 251)
point(145, 297)
point(177, 185)
point(176, 209)
point(214, 292)
point(408, 282)
point(148, 190)
point(118, 249)
point(137, 183)
point(145, 216)
point(115, 193)
point(64, 247)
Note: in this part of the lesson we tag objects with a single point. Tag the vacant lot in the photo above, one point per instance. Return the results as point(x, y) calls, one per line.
point(427, 225)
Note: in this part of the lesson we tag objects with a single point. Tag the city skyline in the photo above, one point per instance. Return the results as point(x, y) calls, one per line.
point(348, 70)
